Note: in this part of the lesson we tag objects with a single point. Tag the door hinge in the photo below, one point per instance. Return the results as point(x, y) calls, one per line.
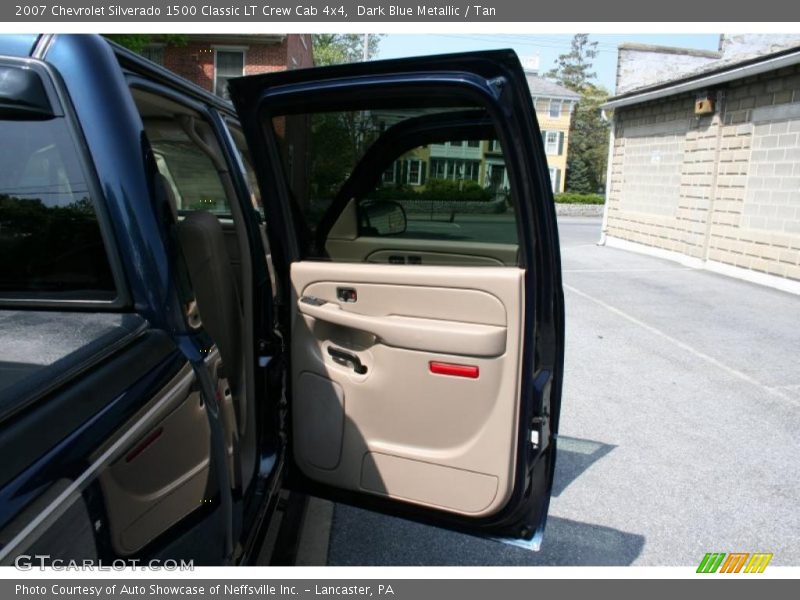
point(540, 423)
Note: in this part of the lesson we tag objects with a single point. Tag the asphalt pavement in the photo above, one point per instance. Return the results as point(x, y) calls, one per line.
point(680, 427)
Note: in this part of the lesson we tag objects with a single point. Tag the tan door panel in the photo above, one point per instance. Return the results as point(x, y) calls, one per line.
point(434, 252)
point(428, 257)
point(413, 333)
point(165, 475)
point(424, 302)
point(431, 483)
point(321, 439)
point(399, 429)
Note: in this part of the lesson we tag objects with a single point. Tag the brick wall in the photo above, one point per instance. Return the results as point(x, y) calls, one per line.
point(300, 52)
point(265, 58)
point(195, 60)
point(722, 188)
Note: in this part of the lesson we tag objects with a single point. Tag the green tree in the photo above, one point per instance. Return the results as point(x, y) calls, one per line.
point(139, 41)
point(588, 134)
point(588, 144)
point(338, 140)
point(573, 70)
point(339, 48)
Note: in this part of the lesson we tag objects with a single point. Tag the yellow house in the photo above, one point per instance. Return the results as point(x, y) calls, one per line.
point(482, 161)
point(554, 105)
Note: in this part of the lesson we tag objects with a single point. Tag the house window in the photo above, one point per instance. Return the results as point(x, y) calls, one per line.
point(457, 143)
point(415, 172)
point(438, 168)
point(227, 65)
point(494, 146)
point(154, 54)
point(388, 175)
point(551, 142)
point(472, 170)
point(555, 179)
point(555, 108)
point(496, 179)
point(473, 143)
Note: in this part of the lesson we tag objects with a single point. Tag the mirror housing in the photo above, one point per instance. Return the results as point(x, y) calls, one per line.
point(22, 94)
point(381, 217)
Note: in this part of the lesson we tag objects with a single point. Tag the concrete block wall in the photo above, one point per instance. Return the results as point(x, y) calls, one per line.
point(675, 153)
point(738, 198)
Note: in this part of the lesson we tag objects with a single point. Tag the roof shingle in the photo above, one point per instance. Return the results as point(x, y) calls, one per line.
point(544, 88)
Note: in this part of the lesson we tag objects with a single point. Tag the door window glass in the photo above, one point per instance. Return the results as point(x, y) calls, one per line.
point(187, 154)
point(448, 190)
point(247, 161)
point(50, 240)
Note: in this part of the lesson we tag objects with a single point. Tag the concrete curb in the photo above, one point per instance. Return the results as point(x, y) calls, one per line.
point(579, 210)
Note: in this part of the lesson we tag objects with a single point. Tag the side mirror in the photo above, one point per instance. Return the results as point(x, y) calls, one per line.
point(381, 217)
point(23, 95)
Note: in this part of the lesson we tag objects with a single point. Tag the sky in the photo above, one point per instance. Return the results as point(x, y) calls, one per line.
point(547, 47)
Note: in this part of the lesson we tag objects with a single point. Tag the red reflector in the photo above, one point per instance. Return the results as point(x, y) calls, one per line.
point(441, 368)
point(144, 444)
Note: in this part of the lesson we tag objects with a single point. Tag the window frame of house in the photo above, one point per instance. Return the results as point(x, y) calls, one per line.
point(230, 49)
point(390, 171)
point(418, 181)
point(491, 168)
point(472, 170)
point(554, 102)
point(551, 148)
point(458, 169)
point(435, 163)
point(555, 179)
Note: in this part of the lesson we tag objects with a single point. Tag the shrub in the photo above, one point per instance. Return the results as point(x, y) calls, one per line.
point(445, 189)
point(442, 190)
point(571, 198)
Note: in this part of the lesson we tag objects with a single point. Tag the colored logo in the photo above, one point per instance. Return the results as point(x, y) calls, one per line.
point(735, 562)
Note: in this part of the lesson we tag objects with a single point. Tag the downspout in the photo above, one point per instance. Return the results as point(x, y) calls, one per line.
point(721, 109)
point(610, 158)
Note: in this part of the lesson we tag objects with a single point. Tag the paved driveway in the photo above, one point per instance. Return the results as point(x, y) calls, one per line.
point(680, 428)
